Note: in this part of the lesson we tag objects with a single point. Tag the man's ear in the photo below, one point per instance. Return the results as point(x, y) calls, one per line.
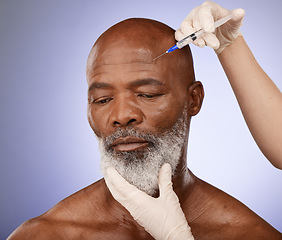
point(195, 98)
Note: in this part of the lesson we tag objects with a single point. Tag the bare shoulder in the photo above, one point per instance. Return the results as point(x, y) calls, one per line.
point(90, 213)
point(77, 213)
point(37, 228)
point(225, 217)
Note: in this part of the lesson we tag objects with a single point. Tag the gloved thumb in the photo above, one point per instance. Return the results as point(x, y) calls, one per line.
point(238, 17)
point(238, 14)
point(165, 184)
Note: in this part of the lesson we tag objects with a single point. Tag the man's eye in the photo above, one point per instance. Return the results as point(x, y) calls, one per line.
point(144, 95)
point(102, 101)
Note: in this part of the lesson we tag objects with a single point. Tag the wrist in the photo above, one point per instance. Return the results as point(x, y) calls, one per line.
point(227, 42)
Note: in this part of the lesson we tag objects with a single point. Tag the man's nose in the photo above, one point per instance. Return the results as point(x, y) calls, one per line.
point(125, 113)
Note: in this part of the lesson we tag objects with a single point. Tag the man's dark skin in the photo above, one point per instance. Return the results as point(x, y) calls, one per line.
point(127, 88)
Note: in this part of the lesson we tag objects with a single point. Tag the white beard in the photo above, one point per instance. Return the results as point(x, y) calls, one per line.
point(141, 167)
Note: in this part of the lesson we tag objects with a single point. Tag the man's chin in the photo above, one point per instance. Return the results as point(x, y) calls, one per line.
point(139, 170)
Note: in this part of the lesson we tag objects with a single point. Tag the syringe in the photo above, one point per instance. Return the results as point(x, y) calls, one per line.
point(192, 37)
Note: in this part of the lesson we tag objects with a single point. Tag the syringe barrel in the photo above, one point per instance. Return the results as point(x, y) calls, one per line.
point(184, 42)
point(192, 37)
point(198, 34)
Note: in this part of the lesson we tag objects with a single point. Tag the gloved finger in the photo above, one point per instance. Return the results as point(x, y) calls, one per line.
point(206, 19)
point(179, 35)
point(200, 42)
point(165, 183)
point(196, 24)
point(117, 185)
point(188, 20)
point(187, 29)
point(211, 40)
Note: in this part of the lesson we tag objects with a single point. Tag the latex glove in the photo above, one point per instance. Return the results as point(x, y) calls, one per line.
point(204, 17)
point(162, 217)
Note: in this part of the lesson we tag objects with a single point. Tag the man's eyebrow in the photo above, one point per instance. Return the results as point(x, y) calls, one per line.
point(145, 81)
point(136, 83)
point(98, 85)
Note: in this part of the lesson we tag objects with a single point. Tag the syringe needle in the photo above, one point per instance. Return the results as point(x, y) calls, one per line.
point(168, 51)
point(159, 56)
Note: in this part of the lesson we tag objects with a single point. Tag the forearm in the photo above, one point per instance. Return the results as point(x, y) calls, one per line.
point(259, 98)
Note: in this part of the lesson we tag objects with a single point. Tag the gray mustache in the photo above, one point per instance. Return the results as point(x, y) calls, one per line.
point(129, 132)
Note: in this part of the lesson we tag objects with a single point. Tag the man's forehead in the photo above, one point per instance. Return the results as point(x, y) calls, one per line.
point(121, 61)
point(120, 54)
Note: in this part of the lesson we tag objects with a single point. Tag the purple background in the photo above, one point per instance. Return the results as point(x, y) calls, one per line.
point(47, 149)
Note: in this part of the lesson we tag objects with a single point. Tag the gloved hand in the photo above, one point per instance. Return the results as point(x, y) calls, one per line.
point(162, 217)
point(204, 17)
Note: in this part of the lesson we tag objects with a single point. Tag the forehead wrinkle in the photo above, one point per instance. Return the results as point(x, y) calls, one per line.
point(119, 63)
point(99, 69)
point(117, 54)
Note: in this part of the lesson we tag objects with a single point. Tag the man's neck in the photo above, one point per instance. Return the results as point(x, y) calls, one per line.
point(182, 180)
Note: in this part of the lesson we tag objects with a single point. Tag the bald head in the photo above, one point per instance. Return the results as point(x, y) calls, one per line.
point(141, 40)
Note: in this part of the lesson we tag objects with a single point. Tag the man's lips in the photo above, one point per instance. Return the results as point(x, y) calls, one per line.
point(129, 144)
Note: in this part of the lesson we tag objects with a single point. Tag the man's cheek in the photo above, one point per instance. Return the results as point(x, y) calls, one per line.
point(94, 124)
point(163, 122)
